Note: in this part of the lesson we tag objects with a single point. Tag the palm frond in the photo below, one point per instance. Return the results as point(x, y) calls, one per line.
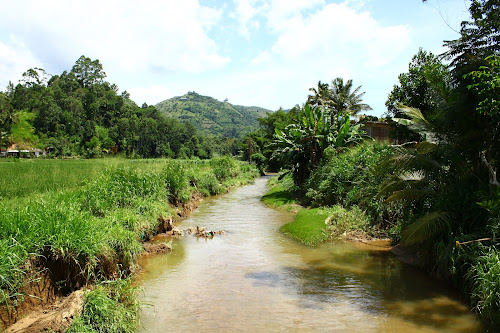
point(426, 227)
point(417, 175)
point(411, 194)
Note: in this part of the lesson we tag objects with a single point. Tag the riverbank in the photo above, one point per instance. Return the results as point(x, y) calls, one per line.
point(351, 223)
point(313, 226)
point(92, 235)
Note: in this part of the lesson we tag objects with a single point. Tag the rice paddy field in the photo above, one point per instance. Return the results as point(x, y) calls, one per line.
point(81, 223)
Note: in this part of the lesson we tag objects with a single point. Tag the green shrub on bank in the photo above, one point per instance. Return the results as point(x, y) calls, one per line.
point(342, 220)
point(225, 168)
point(353, 177)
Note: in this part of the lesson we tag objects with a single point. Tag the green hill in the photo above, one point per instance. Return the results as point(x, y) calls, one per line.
point(212, 117)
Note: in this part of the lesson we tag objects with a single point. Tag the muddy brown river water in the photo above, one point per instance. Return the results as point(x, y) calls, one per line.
point(254, 279)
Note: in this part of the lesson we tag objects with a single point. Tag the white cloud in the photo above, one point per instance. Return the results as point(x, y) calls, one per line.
point(338, 33)
point(244, 14)
point(167, 36)
point(152, 94)
point(264, 57)
point(335, 40)
point(13, 59)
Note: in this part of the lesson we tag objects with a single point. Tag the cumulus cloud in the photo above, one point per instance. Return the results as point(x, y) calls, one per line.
point(126, 35)
point(339, 34)
point(13, 59)
point(152, 94)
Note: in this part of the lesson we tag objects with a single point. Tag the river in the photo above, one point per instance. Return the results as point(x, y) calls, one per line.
point(254, 279)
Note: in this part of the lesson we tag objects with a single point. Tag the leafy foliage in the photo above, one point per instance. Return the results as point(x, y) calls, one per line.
point(300, 145)
point(79, 113)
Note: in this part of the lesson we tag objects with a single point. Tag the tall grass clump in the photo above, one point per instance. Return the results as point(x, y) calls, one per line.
point(176, 178)
point(57, 234)
point(110, 307)
point(342, 220)
point(122, 188)
point(484, 279)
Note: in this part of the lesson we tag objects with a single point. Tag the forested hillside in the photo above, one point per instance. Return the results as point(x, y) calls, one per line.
point(79, 113)
point(212, 117)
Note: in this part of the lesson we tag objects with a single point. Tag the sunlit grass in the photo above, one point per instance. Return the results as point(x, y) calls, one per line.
point(91, 216)
point(309, 226)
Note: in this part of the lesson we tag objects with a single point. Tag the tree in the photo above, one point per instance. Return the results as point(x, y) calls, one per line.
point(300, 145)
point(321, 96)
point(479, 38)
point(7, 117)
point(426, 86)
point(35, 76)
point(88, 72)
point(346, 101)
point(338, 98)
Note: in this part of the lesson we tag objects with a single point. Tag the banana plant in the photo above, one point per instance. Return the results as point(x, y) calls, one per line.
point(300, 145)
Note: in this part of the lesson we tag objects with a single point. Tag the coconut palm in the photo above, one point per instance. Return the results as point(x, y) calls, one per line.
point(346, 100)
point(418, 177)
point(321, 96)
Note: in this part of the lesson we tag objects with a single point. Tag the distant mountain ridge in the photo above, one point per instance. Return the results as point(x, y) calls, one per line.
point(211, 116)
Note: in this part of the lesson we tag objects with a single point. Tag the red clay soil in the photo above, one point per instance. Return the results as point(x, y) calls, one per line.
point(54, 318)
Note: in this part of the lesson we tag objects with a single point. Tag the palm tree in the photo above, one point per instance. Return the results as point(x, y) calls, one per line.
point(321, 96)
point(338, 97)
point(344, 100)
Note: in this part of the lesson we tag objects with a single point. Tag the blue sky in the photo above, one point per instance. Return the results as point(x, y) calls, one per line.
point(266, 53)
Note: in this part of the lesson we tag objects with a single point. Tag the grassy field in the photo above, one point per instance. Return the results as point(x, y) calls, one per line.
point(28, 177)
point(85, 224)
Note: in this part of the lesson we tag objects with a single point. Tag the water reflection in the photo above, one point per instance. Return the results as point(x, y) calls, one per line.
point(255, 279)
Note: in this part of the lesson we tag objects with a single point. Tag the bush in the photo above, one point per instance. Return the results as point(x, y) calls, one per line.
point(342, 220)
point(353, 178)
point(224, 167)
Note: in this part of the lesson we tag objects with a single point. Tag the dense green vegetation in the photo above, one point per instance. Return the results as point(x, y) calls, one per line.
point(90, 233)
point(77, 113)
point(438, 192)
point(211, 117)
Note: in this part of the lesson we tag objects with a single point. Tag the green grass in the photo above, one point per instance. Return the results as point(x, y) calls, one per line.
point(89, 231)
point(23, 132)
point(22, 177)
point(282, 194)
point(111, 307)
point(309, 226)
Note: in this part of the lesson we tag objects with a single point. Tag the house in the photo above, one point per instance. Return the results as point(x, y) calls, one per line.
point(13, 153)
point(377, 130)
point(38, 152)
